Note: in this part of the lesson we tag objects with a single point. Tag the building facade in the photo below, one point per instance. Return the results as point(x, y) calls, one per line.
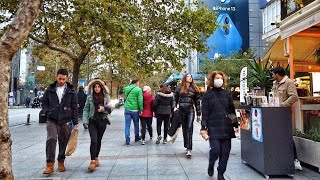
point(240, 28)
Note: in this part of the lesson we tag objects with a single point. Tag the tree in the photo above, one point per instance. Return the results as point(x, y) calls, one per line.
point(14, 35)
point(231, 66)
point(146, 35)
point(52, 60)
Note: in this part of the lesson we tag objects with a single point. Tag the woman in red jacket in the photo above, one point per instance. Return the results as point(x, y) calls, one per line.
point(147, 114)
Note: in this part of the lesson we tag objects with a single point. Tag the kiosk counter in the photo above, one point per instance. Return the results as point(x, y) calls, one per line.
point(266, 139)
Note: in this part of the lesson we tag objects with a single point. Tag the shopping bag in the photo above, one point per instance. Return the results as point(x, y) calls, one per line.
point(175, 123)
point(72, 143)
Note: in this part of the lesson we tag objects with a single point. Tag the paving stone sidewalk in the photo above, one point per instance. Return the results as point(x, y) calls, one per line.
point(134, 162)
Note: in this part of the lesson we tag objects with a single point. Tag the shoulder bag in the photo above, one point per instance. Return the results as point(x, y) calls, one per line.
point(129, 93)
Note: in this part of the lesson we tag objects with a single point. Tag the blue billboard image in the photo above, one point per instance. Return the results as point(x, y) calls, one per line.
point(263, 3)
point(233, 31)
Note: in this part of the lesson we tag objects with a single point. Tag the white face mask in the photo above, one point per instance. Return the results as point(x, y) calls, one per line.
point(218, 83)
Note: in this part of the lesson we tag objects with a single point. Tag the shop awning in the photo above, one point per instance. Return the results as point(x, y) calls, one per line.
point(303, 50)
point(303, 29)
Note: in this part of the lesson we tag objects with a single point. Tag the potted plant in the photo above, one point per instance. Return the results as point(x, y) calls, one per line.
point(260, 74)
point(308, 146)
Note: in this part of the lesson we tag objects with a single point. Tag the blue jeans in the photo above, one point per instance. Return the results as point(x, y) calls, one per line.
point(128, 115)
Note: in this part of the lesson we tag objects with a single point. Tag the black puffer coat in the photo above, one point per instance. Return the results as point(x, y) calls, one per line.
point(62, 112)
point(216, 104)
point(187, 101)
point(163, 103)
point(82, 97)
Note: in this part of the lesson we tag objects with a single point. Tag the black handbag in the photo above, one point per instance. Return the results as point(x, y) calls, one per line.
point(233, 118)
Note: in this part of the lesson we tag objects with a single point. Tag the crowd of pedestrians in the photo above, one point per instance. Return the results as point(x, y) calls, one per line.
point(173, 108)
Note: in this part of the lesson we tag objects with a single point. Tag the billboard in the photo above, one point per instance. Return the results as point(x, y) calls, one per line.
point(263, 3)
point(233, 31)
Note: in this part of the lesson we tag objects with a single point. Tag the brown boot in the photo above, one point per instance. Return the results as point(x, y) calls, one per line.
point(61, 166)
point(97, 162)
point(49, 169)
point(92, 166)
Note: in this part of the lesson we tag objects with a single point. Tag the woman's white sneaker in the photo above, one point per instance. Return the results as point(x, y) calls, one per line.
point(188, 153)
point(297, 165)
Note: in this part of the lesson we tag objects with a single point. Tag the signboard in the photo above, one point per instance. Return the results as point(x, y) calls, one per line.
point(41, 68)
point(256, 124)
point(256, 121)
point(233, 33)
point(243, 84)
point(31, 82)
point(245, 121)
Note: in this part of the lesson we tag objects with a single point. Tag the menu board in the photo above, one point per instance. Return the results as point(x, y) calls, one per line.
point(256, 121)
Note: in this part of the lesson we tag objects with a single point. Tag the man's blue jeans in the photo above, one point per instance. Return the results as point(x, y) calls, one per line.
point(134, 115)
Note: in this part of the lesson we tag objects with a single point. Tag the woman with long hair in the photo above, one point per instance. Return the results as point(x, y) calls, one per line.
point(217, 103)
point(95, 114)
point(187, 96)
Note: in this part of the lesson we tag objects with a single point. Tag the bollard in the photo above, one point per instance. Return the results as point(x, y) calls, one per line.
point(28, 119)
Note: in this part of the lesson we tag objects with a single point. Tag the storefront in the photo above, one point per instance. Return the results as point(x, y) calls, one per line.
point(298, 41)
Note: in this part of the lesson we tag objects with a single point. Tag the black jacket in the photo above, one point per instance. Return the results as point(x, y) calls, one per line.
point(163, 103)
point(82, 97)
point(64, 112)
point(216, 104)
point(187, 101)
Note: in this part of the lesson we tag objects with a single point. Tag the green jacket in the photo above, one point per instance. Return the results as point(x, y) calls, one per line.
point(133, 101)
point(88, 110)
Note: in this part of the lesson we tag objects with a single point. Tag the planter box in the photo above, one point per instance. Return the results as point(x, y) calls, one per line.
point(308, 151)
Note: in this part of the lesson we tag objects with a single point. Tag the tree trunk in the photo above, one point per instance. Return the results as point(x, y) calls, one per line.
point(9, 44)
point(75, 74)
point(76, 67)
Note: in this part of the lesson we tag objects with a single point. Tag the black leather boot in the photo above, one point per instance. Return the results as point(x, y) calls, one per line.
point(220, 177)
point(210, 170)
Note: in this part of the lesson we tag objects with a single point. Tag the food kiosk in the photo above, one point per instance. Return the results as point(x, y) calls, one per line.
point(266, 139)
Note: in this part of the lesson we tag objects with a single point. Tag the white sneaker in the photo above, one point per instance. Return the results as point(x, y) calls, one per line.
point(297, 165)
point(171, 139)
point(188, 153)
point(143, 142)
point(165, 141)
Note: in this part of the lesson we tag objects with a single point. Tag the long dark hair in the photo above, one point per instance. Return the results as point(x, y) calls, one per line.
point(184, 88)
point(98, 98)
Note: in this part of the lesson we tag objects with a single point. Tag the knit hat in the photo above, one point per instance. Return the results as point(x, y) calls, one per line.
point(146, 88)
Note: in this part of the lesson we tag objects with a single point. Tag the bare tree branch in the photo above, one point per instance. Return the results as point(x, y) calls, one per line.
point(51, 46)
